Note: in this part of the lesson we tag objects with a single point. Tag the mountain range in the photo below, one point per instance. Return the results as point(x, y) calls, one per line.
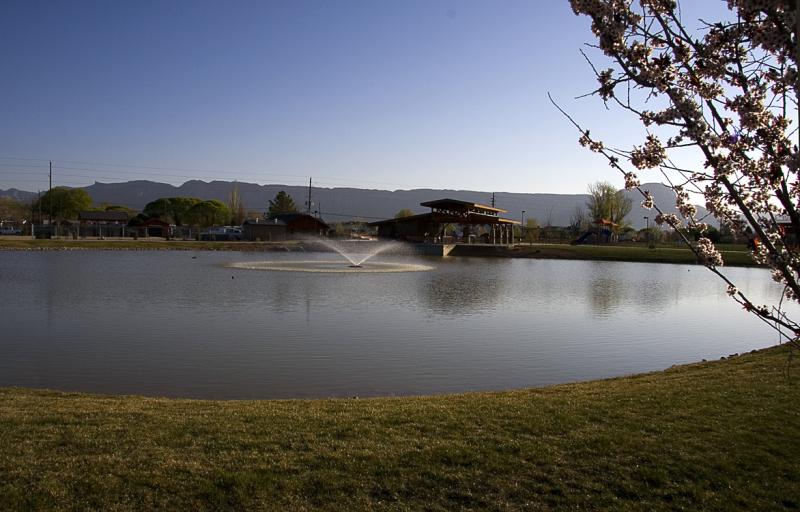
point(341, 204)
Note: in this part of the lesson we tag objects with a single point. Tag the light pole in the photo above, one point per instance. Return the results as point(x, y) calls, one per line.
point(647, 232)
point(522, 224)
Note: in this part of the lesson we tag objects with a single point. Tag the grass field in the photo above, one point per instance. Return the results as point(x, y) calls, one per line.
point(734, 256)
point(710, 436)
point(144, 244)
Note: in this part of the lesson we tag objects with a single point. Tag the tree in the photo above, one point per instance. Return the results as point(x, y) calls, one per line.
point(181, 207)
point(724, 95)
point(579, 221)
point(13, 210)
point(651, 235)
point(283, 203)
point(64, 202)
point(532, 229)
point(106, 207)
point(209, 213)
point(238, 213)
point(606, 202)
point(171, 209)
point(405, 212)
point(159, 209)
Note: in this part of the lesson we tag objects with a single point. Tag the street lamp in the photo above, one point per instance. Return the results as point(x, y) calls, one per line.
point(522, 224)
point(647, 232)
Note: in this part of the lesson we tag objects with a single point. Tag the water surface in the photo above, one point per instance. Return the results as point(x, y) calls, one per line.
point(182, 324)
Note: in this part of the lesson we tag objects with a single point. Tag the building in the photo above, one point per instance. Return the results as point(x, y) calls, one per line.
point(474, 223)
point(272, 230)
point(102, 223)
point(153, 227)
point(284, 227)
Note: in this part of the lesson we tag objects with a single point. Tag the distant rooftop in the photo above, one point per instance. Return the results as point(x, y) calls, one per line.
point(273, 220)
point(288, 218)
point(103, 216)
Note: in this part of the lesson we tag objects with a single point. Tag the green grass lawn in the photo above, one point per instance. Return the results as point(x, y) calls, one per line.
point(721, 435)
point(20, 243)
point(734, 256)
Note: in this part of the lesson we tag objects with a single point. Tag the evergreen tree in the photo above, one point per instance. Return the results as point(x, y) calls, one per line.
point(283, 203)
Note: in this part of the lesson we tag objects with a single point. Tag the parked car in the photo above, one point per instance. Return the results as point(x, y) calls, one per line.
point(9, 230)
point(222, 233)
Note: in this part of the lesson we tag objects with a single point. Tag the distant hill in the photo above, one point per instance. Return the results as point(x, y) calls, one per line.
point(338, 204)
point(19, 195)
point(664, 197)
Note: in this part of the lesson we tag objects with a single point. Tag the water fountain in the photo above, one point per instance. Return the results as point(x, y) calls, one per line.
point(356, 257)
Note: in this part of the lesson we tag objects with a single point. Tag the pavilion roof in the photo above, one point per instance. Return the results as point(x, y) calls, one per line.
point(605, 222)
point(456, 204)
point(444, 218)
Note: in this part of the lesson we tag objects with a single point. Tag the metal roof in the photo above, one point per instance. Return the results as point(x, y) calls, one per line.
point(472, 218)
point(267, 222)
point(442, 203)
point(108, 216)
point(291, 217)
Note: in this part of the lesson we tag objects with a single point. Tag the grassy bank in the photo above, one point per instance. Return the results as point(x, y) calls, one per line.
point(143, 244)
point(713, 436)
point(732, 257)
point(625, 253)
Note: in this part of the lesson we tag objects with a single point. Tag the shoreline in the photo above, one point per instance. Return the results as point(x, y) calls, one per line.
point(442, 395)
point(698, 436)
point(732, 258)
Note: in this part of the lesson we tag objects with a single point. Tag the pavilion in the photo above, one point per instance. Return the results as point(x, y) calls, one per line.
point(429, 227)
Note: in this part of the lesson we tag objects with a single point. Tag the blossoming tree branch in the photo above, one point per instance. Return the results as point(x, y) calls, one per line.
point(725, 93)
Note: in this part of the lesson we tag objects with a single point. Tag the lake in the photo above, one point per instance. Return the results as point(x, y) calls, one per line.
point(182, 324)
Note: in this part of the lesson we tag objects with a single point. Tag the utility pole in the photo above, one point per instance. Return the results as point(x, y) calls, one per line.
point(308, 204)
point(492, 199)
point(50, 194)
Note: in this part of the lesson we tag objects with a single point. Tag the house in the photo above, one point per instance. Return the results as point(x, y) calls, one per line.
point(302, 223)
point(284, 226)
point(272, 230)
point(153, 227)
point(102, 223)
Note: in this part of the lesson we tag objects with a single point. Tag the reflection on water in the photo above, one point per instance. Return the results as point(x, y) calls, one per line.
point(465, 289)
point(183, 324)
point(653, 286)
point(606, 294)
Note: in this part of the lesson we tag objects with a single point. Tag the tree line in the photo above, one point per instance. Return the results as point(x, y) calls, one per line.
point(64, 203)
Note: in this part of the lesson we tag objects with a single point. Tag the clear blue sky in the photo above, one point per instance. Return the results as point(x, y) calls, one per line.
point(369, 94)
